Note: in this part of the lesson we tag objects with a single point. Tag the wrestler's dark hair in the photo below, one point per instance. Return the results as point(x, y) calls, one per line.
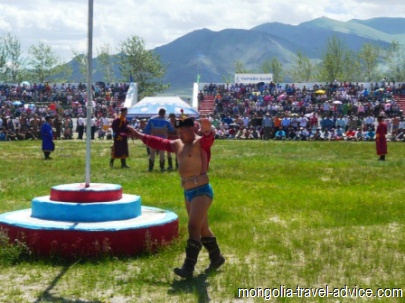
point(184, 122)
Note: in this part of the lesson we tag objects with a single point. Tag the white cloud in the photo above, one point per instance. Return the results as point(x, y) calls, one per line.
point(63, 24)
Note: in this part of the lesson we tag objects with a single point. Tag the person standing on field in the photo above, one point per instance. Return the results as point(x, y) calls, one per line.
point(120, 129)
point(160, 127)
point(193, 154)
point(381, 139)
point(47, 138)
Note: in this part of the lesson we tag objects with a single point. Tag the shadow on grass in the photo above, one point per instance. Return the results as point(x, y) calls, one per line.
point(47, 296)
point(197, 285)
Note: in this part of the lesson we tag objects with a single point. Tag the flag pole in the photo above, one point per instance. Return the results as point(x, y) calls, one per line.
point(89, 91)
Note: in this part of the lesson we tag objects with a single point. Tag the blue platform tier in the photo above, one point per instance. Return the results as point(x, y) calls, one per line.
point(76, 220)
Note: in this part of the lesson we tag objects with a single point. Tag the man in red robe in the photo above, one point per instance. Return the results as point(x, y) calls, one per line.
point(120, 129)
point(381, 139)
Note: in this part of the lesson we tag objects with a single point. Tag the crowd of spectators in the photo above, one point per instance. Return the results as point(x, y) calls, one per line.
point(332, 111)
point(23, 108)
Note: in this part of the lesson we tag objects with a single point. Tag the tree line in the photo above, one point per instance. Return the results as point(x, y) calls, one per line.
point(43, 64)
point(371, 63)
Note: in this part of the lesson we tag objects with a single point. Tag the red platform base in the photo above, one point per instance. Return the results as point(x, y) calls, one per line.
point(72, 239)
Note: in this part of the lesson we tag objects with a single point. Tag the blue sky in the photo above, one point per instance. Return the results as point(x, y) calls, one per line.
point(62, 24)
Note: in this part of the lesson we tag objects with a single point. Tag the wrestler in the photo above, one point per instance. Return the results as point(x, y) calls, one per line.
point(193, 153)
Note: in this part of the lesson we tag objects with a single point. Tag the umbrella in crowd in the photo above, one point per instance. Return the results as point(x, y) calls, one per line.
point(320, 91)
point(17, 103)
point(337, 102)
point(280, 97)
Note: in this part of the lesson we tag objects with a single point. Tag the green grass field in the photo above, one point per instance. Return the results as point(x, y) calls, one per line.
point(286, 214)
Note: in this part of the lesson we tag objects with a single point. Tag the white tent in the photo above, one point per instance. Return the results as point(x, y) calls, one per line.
point(149, 106)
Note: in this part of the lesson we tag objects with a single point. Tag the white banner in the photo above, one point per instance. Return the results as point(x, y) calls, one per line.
point(132, 95)
point(253, 78)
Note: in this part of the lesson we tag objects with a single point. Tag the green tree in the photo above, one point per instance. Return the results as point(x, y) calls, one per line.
point(302, 70)
point(14, 63)
point(368, 56)
point(144, 66)
point(274, 67)
point(277, 70)
point(240, 68)
point(105, 63)
point(81, 60)
point(42, 62)
point(395, 57)
point(3, 61)
point(333, 60)
point(351, 70)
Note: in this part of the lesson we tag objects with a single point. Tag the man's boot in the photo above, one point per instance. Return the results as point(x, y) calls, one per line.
point(151, 164)
point(382, 158)
point(192, 250)
point(162, 166)
point(216, 259)
point(111, 162)
point(124, 163)
point(170, 162)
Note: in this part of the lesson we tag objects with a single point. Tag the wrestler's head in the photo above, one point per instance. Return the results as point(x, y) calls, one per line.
point(185, 129)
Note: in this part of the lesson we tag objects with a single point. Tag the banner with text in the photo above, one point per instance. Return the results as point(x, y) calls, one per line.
point(253, 78)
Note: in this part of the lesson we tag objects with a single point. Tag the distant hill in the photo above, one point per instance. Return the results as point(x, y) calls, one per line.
point(212, 55)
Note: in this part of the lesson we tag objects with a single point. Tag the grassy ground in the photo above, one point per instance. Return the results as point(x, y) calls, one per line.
point(286, 214)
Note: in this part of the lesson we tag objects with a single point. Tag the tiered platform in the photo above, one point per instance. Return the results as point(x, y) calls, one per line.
point(76, 221)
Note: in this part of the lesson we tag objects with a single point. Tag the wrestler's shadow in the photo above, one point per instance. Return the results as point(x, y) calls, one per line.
point(197, 285)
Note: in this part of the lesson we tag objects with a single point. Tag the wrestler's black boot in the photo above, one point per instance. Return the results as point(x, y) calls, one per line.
point(192, 250)
point(216, 258)
point(124, 163)
point(170, 162)
point(151, 164)
point(162, 166)
point(111, 162)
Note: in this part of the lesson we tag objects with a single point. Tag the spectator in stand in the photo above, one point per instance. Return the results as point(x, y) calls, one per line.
point(359, 134)
point(350, 135)
point(291, 133)
point(400, 136)
point(395, 125)
point(280, 135)
point(327, 123)
point(313, 121)
point(316, 135)
point(369, 135)
point(325, 134)
point(369, 121)
point(285, 124)
point(267, 124)
point(303, 121)
point(341, 122)
point(276, 123)
point(80, 127)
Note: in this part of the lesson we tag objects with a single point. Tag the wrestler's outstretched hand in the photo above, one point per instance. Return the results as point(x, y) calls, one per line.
point(133, 132)
point(205, 125)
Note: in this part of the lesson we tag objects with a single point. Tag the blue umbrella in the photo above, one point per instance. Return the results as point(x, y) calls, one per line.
point(17, 103)
point(150, 106)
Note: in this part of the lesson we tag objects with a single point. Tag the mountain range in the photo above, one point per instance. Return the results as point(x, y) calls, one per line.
point(212, 55)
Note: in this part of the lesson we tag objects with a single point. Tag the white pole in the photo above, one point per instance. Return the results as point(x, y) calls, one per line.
point(89, 91)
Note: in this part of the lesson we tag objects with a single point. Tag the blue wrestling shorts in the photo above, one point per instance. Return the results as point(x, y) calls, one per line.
point(204, 190)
